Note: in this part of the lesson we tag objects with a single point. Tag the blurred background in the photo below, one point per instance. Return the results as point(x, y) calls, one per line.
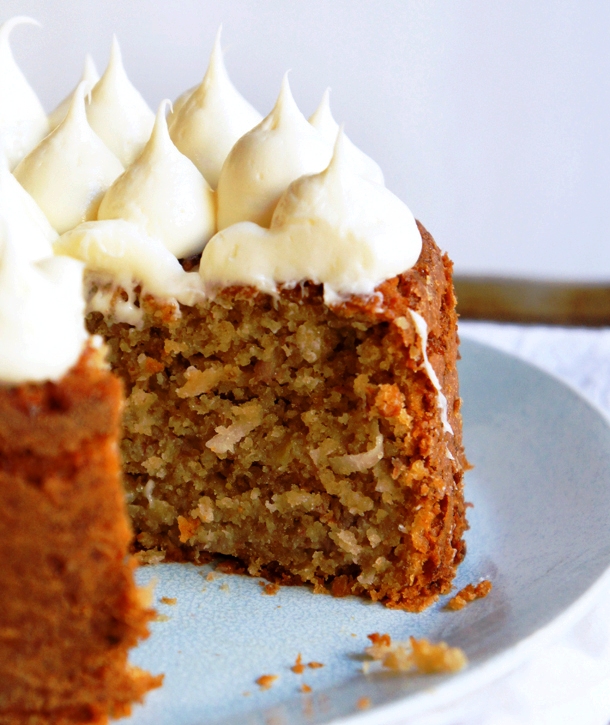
point(491, 120)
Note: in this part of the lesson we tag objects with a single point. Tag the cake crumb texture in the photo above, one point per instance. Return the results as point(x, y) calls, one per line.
point(302, 439)
point(468, 594)
point(416, 655)
point(70, 608)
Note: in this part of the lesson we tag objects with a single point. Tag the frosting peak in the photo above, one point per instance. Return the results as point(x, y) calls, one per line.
point(42, 330)
point(164, 193)
point(117, 112)
point(206, 124)
point(23, 122)
point(24, 220)
point(359, 162)
point(260, 166)
point(69, 171)
point(334, 228)
point(90, 77)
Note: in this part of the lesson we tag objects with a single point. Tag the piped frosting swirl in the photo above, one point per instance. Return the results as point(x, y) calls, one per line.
point(288, 208)
point(24, 221)
point(117, 112)
point(211, 119)
point(69, 171)
point(334, 228)
point(89, 78)
point(23, 122)
point(42, 331)
point(164, 193)
point(361, 164)
point(283, 147)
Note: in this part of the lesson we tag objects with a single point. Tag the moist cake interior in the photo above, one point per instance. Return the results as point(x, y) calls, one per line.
point(302, 439)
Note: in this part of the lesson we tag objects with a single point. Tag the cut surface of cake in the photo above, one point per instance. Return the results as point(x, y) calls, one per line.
point(304, 439)
point(70, 609)
point(284, 329)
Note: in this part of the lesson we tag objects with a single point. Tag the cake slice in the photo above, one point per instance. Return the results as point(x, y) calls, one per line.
point(70, 609)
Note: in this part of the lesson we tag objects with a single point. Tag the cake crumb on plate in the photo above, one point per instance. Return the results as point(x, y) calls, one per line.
point(416, 655)
point(298, 667)
point(468, 594)
point(265, 682)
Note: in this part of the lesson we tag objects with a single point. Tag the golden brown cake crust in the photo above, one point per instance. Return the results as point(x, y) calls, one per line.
point(70, 608)
point(302, 439)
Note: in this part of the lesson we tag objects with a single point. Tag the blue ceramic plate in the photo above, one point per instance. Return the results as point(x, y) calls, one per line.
point(539, 531)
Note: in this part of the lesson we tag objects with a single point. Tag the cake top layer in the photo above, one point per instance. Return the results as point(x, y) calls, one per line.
point(266, 201)
point(333, 227)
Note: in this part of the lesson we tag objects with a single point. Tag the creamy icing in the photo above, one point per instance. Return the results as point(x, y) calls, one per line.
point(23, 122)
point(117, 112)
point(70, 170)
point(42, 329)
point(90, 77)
point(287, 207)
point(130, 257)
point(441, 401)
point(164, 193)
point(207, 123)
point(357, 160)
point(333, 227)
point(180, 101)
point(25, 221)
point(283, 147)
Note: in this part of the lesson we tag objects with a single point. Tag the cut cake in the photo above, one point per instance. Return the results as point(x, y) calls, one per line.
point(286, 336)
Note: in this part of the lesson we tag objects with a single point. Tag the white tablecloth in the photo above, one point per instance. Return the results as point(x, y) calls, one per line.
point(569, 682)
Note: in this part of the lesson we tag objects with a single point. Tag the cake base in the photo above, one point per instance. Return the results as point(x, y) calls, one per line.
point(70, 608)
point(306, 441)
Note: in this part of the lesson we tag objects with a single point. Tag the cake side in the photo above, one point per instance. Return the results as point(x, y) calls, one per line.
point(71, 610)
point(303, 439)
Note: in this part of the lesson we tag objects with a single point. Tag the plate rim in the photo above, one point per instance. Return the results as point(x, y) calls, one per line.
point(505, 662)
point(441, 694)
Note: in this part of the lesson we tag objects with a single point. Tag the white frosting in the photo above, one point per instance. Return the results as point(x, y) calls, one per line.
point(441, 401)
point(211, 119)
point(180, 101)
point(357, 160)
point(124, 251)
point(25, 221)
point(70, 170)
point(23, 122)
point(260, 166)
point(334, 228)
point(118, 113)
point(89, 78)
point(42, 330)
point(164, 193)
